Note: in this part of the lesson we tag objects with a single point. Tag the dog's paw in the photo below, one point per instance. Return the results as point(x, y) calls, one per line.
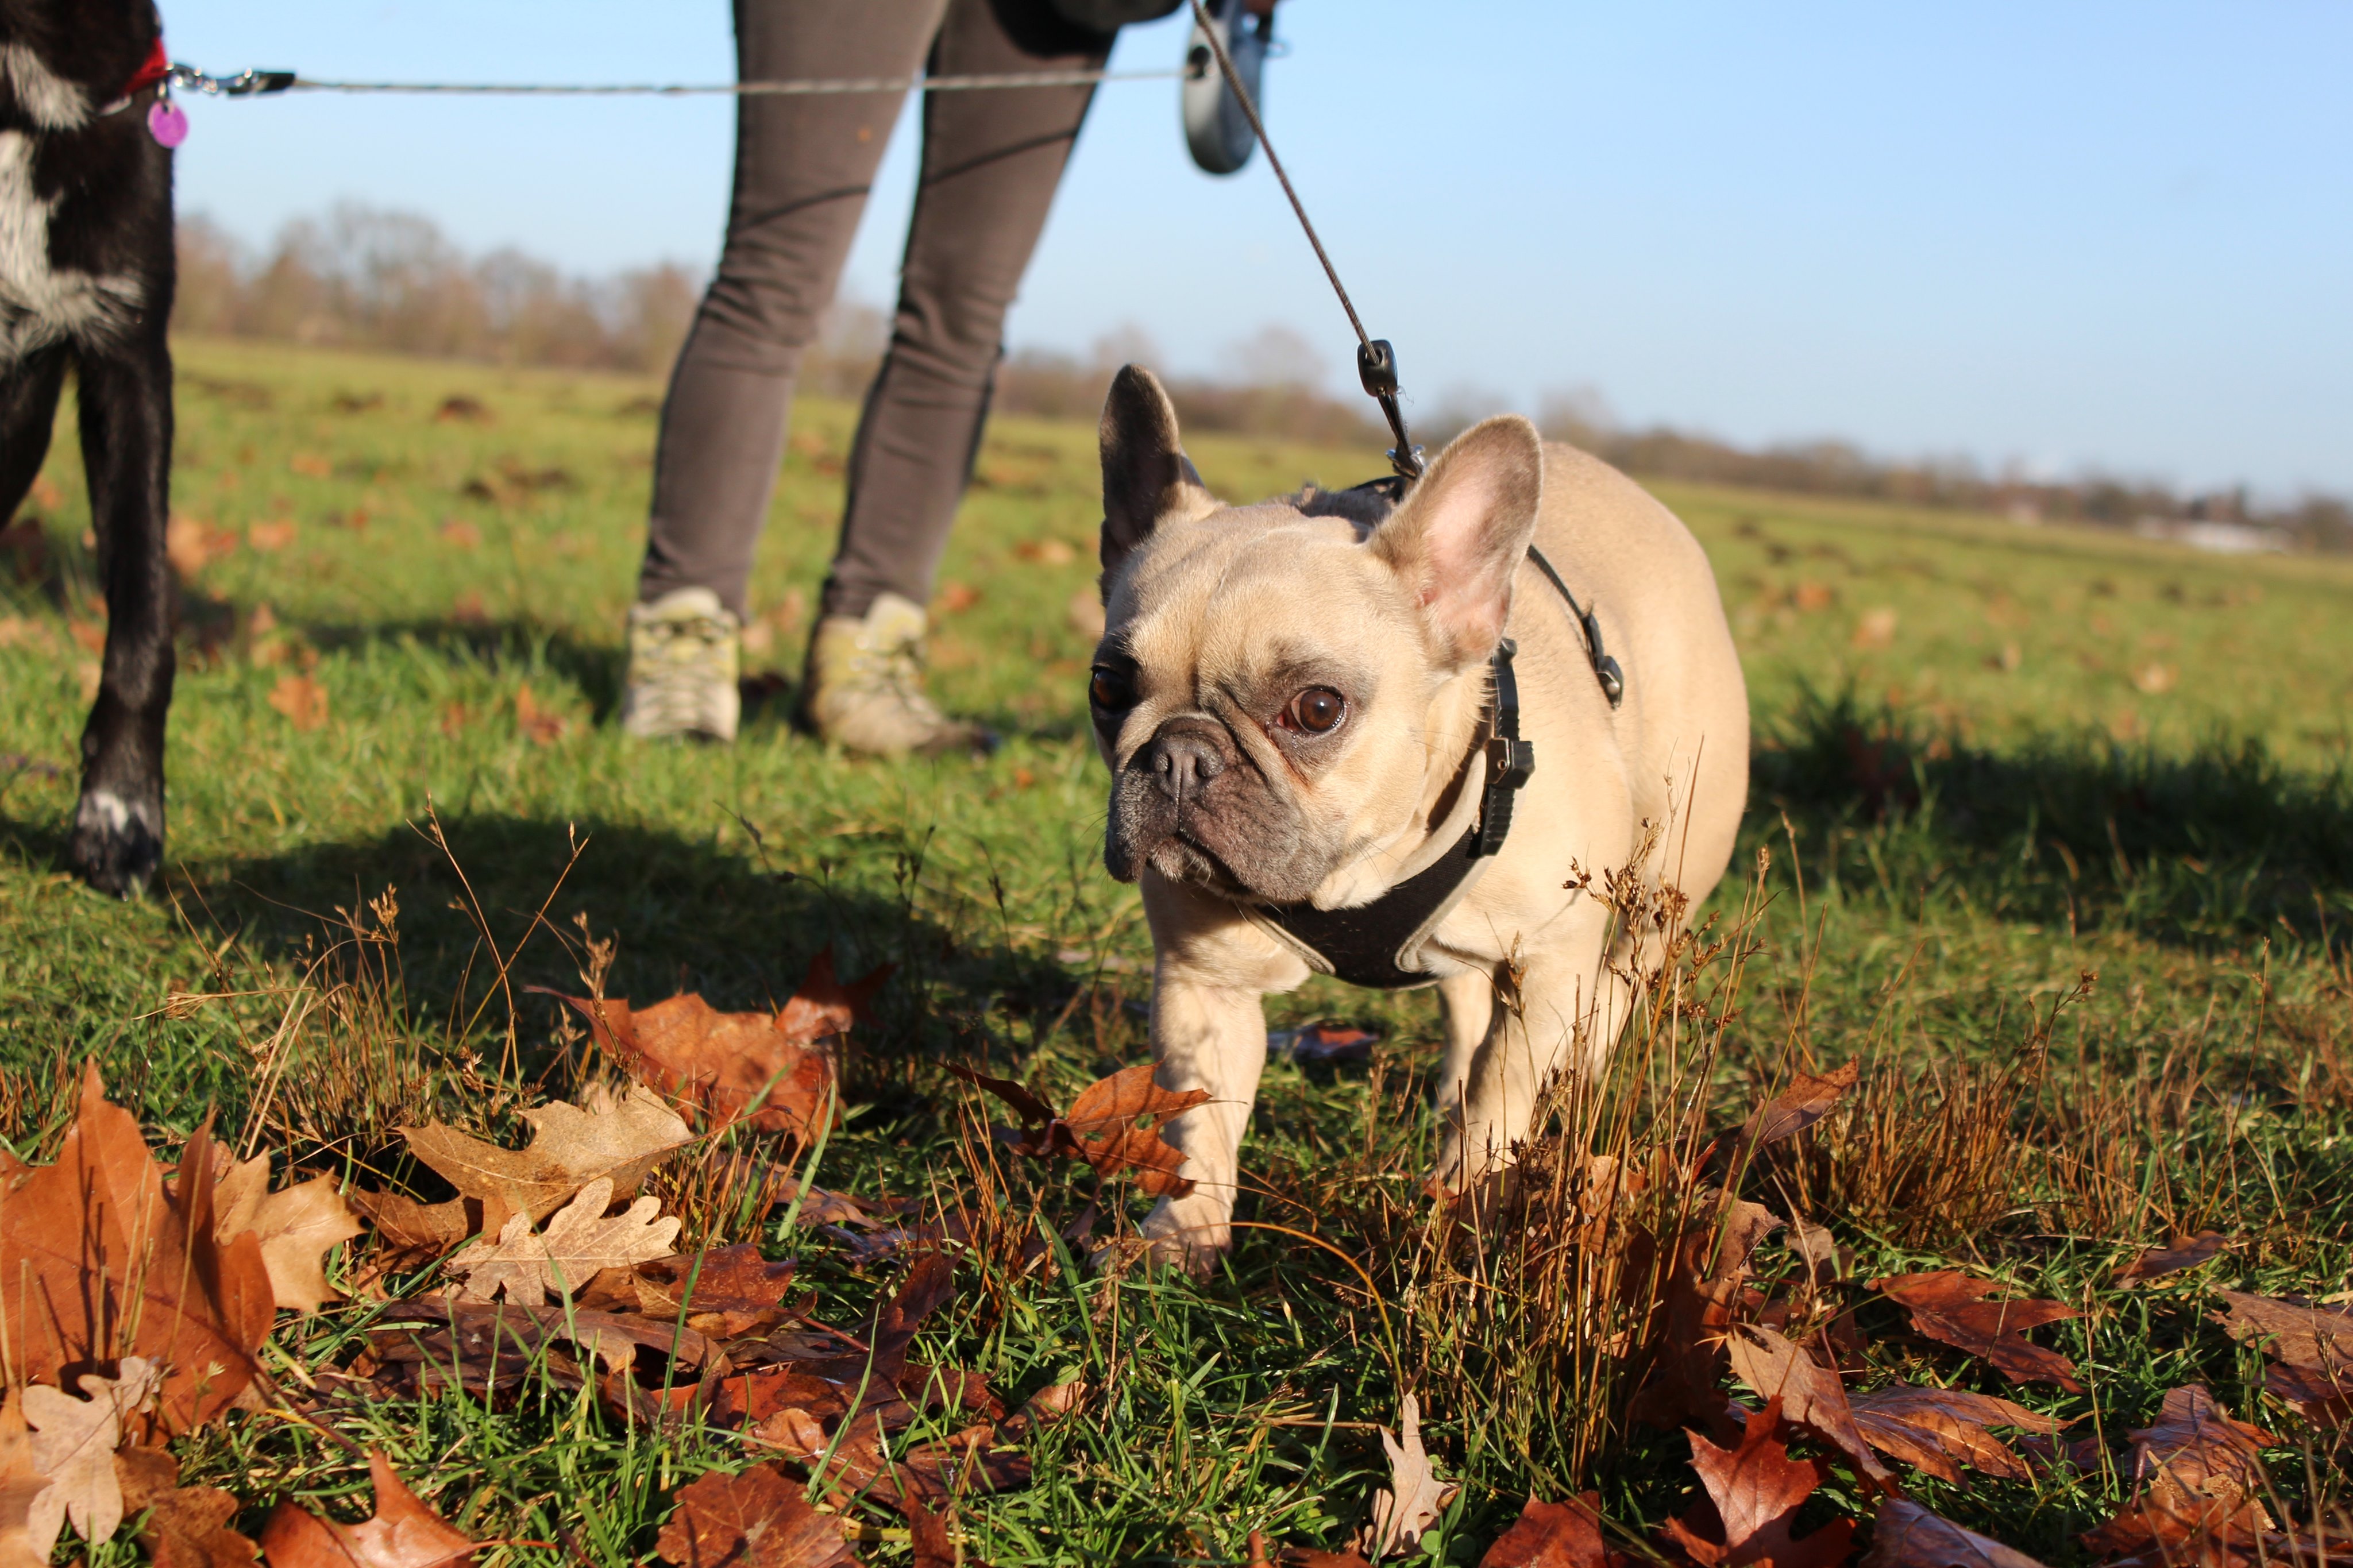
point(1194, 1237)
point(117, 844)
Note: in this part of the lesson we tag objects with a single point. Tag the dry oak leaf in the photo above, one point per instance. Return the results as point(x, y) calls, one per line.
point(1753, 1495)
point(777, 1071)
point(2182, 1252)
point(927, 1533)
point(2199, 1470)
point(73, 1445)
point(1807, 1101)
point(1707, 1271)
point(2291, 1332)
point(1940, 1429)
point(187, 1527)
point(1906, 1535)
point(405, 1533)
point(410, 1229)
point(756, 1519)
point(1415, 1497)
point(301, 700)
point(295, 1228)
point(2322, 1395)
point(1553, 1535)
point(531, 1267)
point(620, 1138)
point(21, 1485)
point(1948, 1305)
point(1811, 1395)
point(1101, 1125)
point(97, 1241)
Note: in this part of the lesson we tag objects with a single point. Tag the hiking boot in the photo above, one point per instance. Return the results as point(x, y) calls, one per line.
point(864, 686)
point(685, 650)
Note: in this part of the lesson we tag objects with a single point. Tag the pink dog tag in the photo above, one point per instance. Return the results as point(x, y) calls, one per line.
point(166, 124)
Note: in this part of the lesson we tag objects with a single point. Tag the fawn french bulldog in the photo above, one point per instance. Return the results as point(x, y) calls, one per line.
point(1318, 713)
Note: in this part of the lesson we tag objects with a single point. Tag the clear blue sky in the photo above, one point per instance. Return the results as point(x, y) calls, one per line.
point(2083, 235)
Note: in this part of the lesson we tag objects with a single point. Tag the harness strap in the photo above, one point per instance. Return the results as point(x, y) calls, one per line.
point(1605, 668)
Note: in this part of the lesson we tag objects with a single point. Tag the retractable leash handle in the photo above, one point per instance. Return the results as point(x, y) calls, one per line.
point(1216, 126)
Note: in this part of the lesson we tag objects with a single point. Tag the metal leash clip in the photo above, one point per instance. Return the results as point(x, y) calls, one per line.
point(1376, 368)
point(244, 84)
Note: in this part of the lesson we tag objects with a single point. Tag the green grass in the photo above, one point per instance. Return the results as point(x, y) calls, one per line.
point(2065, 751)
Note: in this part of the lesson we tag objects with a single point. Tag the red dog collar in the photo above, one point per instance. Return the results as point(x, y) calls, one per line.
point(152, 69)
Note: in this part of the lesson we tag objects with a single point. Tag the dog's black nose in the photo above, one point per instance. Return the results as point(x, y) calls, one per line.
point(1183, 762)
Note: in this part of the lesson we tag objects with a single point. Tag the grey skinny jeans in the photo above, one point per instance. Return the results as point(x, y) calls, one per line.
point(803, 167)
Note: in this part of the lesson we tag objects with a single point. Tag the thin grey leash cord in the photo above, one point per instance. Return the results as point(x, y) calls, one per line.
point(261, 83)
point(1376, 360)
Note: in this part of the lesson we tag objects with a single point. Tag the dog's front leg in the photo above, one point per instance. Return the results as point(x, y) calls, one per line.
point(126, 442)
point(1208, 1031)
point(1566, 1011)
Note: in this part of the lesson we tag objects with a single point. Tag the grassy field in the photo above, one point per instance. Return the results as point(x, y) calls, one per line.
point(1992, 760)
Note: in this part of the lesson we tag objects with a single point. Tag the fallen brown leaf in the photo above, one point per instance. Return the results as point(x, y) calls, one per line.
point(1553, 1535)
point(424, 1344)
point(2292, 1331)
point(773, 1070)
point(853, 1460)
point(295, 1228)
point(528, 1267)
point(1753, 1495)
point(187, 1527)
point(2183, 1252)
point(724, 1291)
point(411, 1231)
point(1101, 1125)
point(73, 1445)
point(403, 1533)
point(21, 1486)
point(1807, 1101)
point(2322, 1395)
point(96, 1242)
point(301, 700)
point(1939, 1429)
point(1948, 1305)
point(619, 1139)
point(542, 725)
point(756, 1519)
point(1415, 1497)
point(1706, 1269)
point(1810, 1395)
point(2200, 1475)
point(927, 1535)
point(1906, 1535)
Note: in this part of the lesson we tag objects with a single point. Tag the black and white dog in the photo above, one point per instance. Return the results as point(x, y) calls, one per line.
point(86, 276)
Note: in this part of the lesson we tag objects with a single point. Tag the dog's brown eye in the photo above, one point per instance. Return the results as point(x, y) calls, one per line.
point(1316, 710)
point(1110, 690)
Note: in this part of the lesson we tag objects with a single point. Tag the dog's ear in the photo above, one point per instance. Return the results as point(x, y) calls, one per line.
point(1145, 474)
point(1462, 532)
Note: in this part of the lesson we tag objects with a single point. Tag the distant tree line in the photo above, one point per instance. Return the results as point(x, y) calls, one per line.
point(362, 278)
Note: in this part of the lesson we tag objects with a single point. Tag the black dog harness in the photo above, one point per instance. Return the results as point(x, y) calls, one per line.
point(1379, 945)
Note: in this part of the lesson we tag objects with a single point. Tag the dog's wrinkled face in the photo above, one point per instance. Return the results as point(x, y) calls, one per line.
point(1263, 688)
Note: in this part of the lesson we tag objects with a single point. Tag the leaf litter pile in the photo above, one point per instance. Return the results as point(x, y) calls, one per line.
point(1623, 1292)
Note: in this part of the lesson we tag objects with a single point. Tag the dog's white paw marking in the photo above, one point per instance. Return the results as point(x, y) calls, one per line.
point(48, 99)
point(104, 811)
point(39, 303)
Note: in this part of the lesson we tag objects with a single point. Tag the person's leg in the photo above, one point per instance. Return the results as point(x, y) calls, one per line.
point(990, 163)
point(803, 169)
